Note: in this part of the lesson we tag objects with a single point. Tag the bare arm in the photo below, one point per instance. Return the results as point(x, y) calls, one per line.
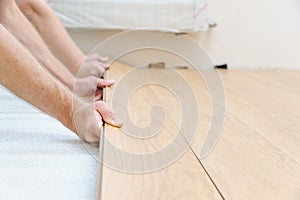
point(40, 14)
point(22, 74)
point(53, 33)
point(17, 24)
point(25, 77)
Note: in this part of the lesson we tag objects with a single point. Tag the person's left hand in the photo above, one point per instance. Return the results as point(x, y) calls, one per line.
point(91, 88)
point(88, 87)
point(94, 65)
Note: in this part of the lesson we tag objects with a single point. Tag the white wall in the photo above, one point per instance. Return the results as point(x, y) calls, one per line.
point(250, 34)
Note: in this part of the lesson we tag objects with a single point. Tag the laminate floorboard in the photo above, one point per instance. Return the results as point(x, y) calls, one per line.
point(256, 156)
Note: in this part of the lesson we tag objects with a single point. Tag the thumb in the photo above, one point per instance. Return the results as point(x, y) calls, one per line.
point(105, 83)
point(107, 114)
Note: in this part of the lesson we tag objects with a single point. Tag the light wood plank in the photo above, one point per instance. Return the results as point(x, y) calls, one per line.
point(272, 110)
point(184, 179)
point(245, 166)
point(287, 80)
point(255, 157)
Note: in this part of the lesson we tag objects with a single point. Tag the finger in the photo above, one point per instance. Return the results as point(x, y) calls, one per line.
point(107, 66)
point(95, 144)
point(98, 97)
point(99, 94)
point(97, 57)
point(92, 139)
point(107, 114)
point(86, 87)
point(102, 67)
point(105, 83)
point(101, 70)
point(93, 134)
point(102, 59)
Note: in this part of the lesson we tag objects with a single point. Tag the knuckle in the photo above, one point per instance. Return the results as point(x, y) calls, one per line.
point(92, 140)
point(94, 55)
point(102, 103)
point(93, 79)
point(101, 71)
point(94, 62)
point(109, 114)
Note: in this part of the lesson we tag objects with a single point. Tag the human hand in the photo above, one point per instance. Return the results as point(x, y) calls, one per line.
point(87, 119)
point(90, 88)
point(94, 65)
point(88, 83)
point(95, 56)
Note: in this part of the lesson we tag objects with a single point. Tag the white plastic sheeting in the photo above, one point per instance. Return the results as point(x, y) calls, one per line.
point(175, 15)
point(39, 158)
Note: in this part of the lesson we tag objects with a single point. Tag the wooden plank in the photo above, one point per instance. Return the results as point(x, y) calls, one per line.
point(269, 104)
point(266, 88)
point(244, 164)
point(256, 157)
point(287, 80)
point(183, 179)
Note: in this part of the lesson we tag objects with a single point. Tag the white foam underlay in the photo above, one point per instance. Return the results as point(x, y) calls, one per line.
point(175, 15)
point(40, 158)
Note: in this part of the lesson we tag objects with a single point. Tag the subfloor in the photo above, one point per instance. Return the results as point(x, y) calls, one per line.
point(257, 155)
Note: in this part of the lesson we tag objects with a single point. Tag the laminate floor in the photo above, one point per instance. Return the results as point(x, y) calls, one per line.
point(256, 155)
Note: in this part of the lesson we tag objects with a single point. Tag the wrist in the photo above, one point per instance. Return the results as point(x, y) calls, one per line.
point(77, 105)
point(70, 82)
point(76, 67)
point(68, 104)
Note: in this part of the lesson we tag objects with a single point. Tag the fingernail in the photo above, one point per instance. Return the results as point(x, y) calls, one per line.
point(111, 81)
point(118, 121)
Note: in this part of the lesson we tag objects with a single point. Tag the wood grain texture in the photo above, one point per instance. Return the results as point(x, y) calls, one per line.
point(257, 156)
point(268, 102)
point(246, 166)
point(183, 179)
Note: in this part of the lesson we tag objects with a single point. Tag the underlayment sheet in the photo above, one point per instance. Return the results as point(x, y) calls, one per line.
point(40, 158)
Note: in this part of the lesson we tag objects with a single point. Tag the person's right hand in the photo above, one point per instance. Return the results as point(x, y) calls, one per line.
point(88, 121)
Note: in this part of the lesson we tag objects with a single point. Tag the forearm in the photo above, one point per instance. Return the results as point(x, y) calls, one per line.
point(22, 74)
point(52, 31)
point(14, 21)
point(56, 69)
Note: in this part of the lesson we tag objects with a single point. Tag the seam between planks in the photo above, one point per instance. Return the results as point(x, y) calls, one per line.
point(206, 172)
point(100, 166)
point(199, 161)
point(101, 158)
point(101, 153)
